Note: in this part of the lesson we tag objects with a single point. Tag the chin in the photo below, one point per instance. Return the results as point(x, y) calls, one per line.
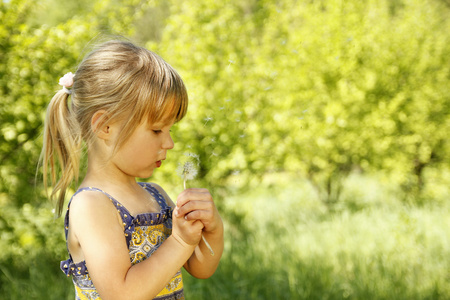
point(146, 174)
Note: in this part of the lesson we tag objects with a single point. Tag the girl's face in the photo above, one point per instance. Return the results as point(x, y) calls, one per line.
point(144, 150)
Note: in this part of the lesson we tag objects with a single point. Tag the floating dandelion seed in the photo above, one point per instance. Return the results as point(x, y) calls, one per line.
point(188, 170)
point(207, 119)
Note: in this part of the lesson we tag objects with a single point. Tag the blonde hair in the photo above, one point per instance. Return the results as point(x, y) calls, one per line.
point(127, 82)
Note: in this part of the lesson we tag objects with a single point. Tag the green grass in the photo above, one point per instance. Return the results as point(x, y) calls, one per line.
point(283, 243)
point(290, 246)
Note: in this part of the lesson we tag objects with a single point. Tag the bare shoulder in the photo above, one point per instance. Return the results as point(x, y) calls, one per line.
point(91, 207)
point(96, 235)
point(88, 201)
point(163, 192)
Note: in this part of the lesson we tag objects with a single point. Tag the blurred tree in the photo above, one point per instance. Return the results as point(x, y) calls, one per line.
point(316, 88)
point(32, 58)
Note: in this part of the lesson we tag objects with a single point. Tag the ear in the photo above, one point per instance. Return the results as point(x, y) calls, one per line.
point(98, 126)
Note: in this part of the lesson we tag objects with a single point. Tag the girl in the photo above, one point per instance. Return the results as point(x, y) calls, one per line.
point(126, 240)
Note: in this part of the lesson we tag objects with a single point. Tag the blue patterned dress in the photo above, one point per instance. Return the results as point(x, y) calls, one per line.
point(143, 234)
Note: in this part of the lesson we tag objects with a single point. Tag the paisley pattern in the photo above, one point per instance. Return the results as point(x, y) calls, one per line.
point(143, 234)
point(145, 240)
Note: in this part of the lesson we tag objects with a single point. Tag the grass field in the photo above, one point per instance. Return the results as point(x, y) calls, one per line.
point(282, 243)
point(290, 246)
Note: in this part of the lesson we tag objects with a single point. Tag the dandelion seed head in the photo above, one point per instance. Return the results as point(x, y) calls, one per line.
point(189, 171)
point(188, 168)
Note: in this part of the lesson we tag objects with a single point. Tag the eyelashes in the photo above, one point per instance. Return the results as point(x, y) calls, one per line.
point(158, 131)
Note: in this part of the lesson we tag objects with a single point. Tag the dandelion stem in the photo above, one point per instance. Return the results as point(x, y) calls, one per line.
point(203, 237)
point(208, 245)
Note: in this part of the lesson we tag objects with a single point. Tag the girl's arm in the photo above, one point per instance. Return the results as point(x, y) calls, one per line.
point(198, 204)
point(96, 236)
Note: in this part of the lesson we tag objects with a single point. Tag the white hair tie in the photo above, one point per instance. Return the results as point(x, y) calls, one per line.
point(66, 90)
point(67, 81)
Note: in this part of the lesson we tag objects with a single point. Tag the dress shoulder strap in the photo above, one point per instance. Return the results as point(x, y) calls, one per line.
point(124, 213)
point(156, 194)
point(126, 216)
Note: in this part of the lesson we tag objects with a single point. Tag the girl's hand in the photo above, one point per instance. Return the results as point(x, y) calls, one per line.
point(198, 204)
point(189, 231)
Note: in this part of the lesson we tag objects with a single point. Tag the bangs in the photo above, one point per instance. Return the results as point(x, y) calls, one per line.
point(171, 107)
point(170, 103)
point(154, 93)
point(172, 110)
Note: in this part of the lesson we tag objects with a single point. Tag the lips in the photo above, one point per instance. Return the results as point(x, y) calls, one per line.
point(158, 163)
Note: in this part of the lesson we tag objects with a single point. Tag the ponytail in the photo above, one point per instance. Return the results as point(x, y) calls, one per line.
point(60, 156)
point(120, 78)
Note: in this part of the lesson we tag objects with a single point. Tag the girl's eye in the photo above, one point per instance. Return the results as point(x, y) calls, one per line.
point(157, 131)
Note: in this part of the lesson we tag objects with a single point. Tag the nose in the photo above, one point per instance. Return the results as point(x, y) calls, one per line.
point(168, 143)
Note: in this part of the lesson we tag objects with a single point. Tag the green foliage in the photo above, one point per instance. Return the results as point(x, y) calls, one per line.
point(316, 89)
point(32, 59)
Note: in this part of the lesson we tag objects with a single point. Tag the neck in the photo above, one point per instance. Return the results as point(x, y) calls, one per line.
point(103, 174)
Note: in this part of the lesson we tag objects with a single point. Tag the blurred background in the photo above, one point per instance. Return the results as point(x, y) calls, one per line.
point(322, 128)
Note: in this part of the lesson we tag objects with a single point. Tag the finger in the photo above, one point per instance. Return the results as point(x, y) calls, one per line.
point(178, 214)
point(199, 215)
point(194, 215)
point(197, 225)
point(175, 213)
point(193, 194)
point(196, 205)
